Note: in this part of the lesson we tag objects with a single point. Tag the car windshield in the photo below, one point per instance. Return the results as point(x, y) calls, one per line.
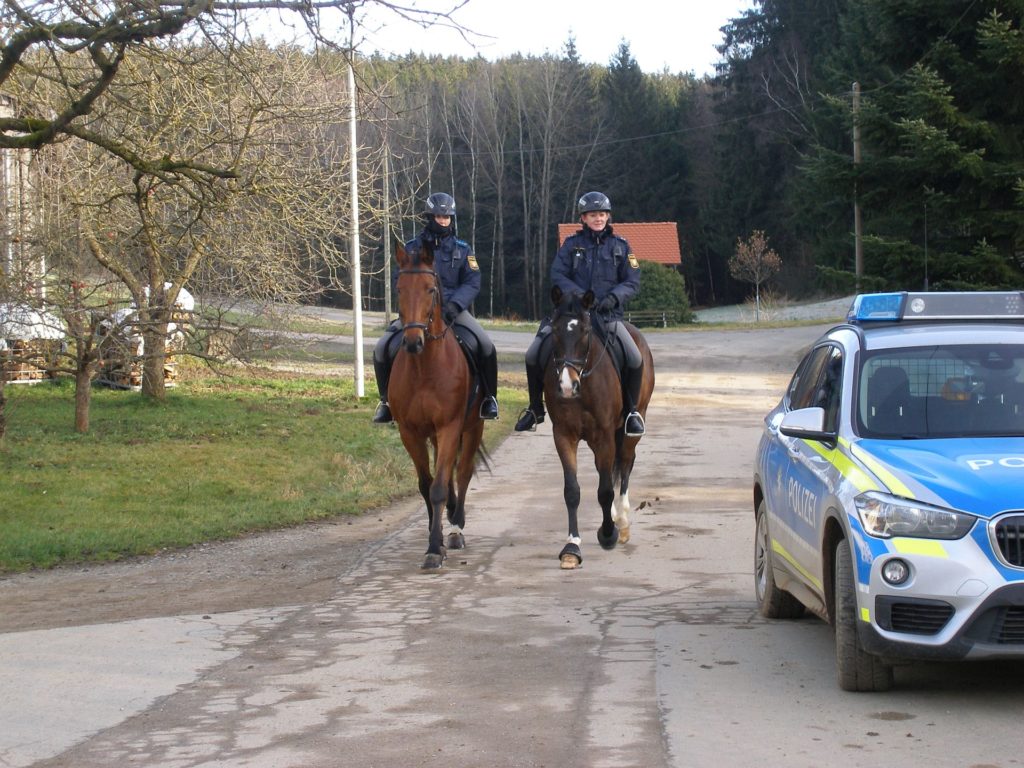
point(943, 391)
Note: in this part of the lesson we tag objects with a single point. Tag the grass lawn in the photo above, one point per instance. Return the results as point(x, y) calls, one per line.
point(223, 456)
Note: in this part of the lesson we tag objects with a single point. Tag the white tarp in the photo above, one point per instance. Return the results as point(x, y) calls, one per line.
point(19, 322)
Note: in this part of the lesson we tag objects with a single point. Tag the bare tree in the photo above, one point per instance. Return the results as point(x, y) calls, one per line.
point(754, 262)
point(264, 232)
point(83, 46)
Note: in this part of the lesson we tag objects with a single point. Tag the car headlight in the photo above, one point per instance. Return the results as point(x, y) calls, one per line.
point(886, 516)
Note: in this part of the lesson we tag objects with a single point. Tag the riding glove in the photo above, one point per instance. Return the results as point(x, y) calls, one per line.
point(608, 303)
point(450, 311)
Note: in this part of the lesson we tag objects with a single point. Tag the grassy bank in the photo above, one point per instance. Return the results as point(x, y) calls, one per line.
point(220, 458)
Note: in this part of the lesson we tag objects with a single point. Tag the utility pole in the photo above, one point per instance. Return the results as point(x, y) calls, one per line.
point(357, 274)
point(926, 242)
point(858, 247)
point(387, 227)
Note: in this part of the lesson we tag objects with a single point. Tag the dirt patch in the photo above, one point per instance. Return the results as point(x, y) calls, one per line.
point(289, 567)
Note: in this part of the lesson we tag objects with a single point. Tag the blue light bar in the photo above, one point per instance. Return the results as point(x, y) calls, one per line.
point(876, 307)
point(958, 305)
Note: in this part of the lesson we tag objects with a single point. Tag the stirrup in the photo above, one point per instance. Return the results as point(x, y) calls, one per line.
point(528, 420)
point(383, 414)
point(489, 408)
point(634, 426)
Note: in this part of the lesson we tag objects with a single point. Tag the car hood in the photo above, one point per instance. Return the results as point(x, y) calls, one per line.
point(983, 476)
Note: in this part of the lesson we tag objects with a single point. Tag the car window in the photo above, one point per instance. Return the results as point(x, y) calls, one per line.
point(942, 391)
point(803, 390)
point(830, 389)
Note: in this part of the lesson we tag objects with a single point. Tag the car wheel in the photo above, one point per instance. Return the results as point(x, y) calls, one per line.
point(773, 602)
point(856, 669)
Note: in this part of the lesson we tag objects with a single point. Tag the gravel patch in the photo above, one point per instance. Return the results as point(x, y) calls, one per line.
point(833, 309)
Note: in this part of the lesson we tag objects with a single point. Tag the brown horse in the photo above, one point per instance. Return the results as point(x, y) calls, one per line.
point(583, 393)
point(434, 399)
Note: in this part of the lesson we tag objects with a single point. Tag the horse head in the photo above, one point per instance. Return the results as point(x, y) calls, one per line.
point(572, 334)
point(419, 296)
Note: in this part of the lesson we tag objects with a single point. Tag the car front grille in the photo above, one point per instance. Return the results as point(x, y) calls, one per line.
point(912, 616)
point(1009, 536)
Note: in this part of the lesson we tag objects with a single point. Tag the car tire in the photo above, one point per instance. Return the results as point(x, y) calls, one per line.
point(856, 669)
point(772, 602)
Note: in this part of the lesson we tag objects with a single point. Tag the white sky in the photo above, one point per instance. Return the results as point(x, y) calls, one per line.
point(678, 34)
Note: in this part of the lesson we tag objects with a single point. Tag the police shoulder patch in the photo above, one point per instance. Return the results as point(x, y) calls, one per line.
point(633, 262)
point(471, 260)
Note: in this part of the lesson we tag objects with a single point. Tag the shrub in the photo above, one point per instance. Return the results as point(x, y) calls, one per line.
point(662, 288)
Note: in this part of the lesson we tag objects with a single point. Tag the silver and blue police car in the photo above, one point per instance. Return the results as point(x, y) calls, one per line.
point(889, 484)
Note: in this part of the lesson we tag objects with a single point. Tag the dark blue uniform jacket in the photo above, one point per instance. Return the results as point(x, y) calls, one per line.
point(453, 263)
point(600, 261)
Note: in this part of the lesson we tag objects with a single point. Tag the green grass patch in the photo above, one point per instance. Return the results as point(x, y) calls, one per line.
point(220, 458)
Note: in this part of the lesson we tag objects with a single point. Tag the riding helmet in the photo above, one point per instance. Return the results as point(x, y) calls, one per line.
point(593, 201)
point(440, 204)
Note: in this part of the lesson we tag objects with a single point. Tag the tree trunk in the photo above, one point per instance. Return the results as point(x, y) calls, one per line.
point(3, 409)
point(83, 396)
point(153, 359)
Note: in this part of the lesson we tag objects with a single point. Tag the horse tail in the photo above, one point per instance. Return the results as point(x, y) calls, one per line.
point(483, 457)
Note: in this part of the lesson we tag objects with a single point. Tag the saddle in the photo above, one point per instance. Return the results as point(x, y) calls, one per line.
point(611, 343)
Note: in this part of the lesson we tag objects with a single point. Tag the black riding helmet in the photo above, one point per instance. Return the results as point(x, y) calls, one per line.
point(593, 201)
point(440, 204)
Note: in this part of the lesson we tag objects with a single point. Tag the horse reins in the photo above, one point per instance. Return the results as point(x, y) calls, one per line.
point(435, 292)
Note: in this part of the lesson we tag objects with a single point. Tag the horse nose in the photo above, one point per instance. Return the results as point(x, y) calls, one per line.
point(414, 345)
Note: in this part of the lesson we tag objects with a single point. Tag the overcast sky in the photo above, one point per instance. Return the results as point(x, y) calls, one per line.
point(678, 34)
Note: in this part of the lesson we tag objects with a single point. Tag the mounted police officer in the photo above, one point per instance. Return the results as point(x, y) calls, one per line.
point(592, 259)
point(459, 273)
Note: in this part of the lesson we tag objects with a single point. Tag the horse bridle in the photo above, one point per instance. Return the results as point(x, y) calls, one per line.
point(434, 302)
point(579, 365)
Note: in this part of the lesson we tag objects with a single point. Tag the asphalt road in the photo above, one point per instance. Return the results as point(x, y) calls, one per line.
point(650, 655)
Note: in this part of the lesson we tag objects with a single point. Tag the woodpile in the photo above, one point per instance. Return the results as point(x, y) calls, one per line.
point(30, 344)
point(28, 361)
point(122, 353)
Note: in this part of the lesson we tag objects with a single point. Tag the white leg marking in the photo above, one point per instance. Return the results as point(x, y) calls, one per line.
point(573, 540)
point(623, 509)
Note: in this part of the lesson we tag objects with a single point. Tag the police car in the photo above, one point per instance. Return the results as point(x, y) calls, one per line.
point(889, 484)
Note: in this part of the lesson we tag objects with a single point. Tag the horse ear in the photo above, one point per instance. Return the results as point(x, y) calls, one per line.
point(556, 295)
point(401, 257)
point(588, 300)
point(427, 252)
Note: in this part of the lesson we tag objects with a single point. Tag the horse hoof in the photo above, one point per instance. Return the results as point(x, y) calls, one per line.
point(608, 542)
point(571, 557)
point(456, 541)
point(623, 534)
point(432, 561)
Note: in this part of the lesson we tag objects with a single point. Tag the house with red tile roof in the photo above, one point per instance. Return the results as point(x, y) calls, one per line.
point(656, 241)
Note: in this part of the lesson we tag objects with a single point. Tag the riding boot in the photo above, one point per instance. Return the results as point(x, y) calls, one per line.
point(382, 369)
point(634, 426)
point(489, 368)
point(534, 415)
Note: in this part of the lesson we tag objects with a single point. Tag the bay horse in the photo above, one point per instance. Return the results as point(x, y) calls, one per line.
point(434, 400)
point(583, 393)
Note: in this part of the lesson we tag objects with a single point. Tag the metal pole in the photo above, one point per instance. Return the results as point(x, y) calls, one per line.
point(926, 244)
point(387, 227)
point(858, 247)
point(357, 279)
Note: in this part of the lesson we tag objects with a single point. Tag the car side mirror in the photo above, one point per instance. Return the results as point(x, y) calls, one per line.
point(807, 424)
